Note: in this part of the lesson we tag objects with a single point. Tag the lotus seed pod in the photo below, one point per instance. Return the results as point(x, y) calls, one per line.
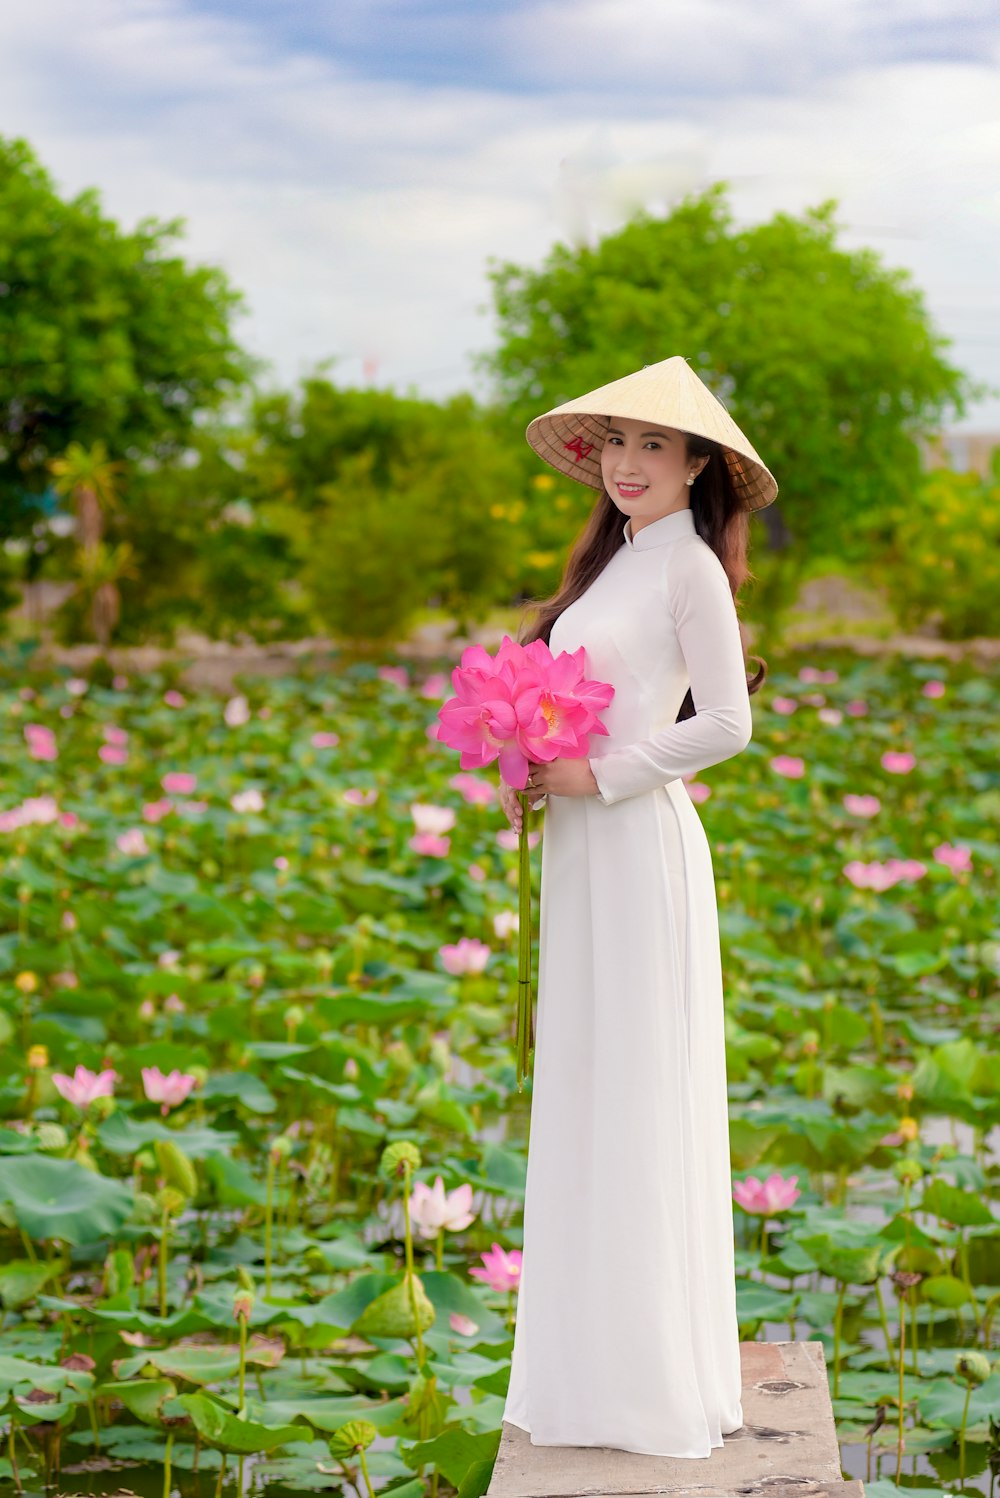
point(908, 1170)
point(51, 1136)
point(391, 1313)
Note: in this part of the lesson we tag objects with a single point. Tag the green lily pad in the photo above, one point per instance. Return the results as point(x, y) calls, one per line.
point(220, 1427)
point(61, 1200)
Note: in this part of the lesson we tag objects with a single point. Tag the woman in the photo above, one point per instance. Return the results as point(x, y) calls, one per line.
point(626, 1332)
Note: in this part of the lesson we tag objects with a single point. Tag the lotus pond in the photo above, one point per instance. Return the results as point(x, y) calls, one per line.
point(256, 997)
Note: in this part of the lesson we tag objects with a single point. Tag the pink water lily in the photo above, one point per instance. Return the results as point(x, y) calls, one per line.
point(831, 716)
point(502, 1270)
point(133, 843)
point(434, 1210)
point(429, 845)
point(168, 1090)
point(474, 790)
point(115, 735)
point(174, 698)
point(113, 754)
point(477, 872)
point(355, 796)
point(766, 1198)
point(862, 806)
point(505, 923)
point(463, 1325)
point(84, 1086)
point(155, 811)
point(465, 956)
point(784, 705)
point(933, 688)
point(325, 740)
point(882, 876)
point(898, 762)
point(811, 673)
point(435, 686)
point(520, 706)
point(398, 675)
point(958, 858)
point(698, 790)
point(856, 708)
point(179, 782)
point(788, 765)
point(247, 801)
point(41, 741)
point(34, 810)
point(236, 712)
point(428, 817)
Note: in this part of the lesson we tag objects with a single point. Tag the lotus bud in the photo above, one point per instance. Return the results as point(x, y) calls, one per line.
point(974, 1367)
point(243, 1300)
point(395, 1158)
point(256, 975)
point(51, 1136)
point(281, 1148)
point(147, 1010)
point(810, 1043)
point(351, 1069)
point(175, 1167)
point(909, 1129)
point(168, 1199)
point(295, 1016)
point(38, 1057)
point(400, 1057)
point(26, 982)
point(323, 961)
point(145, 1211)
point(904, 1090)
point(908, 1170)
point(200, 1074)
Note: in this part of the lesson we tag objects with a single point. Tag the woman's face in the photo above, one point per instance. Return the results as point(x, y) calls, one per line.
point(646, 468)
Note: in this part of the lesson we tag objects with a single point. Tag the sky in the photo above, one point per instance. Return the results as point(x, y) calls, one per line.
point(356, 166)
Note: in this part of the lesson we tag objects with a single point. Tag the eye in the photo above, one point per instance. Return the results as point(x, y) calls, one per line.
point(653, 444)
point(614, 439)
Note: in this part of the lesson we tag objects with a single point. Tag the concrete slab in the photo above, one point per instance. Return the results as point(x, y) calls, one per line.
point(786, 1448)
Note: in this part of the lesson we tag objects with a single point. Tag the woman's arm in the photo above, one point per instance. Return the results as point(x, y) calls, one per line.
point(709, 634)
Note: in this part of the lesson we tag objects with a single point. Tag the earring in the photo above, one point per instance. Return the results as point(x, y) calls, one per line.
point(691, 479)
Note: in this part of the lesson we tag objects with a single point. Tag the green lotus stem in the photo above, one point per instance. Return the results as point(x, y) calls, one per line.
point(961, 1436)
point(10, 1452)
point(890, 1350)
point(763, 1237)
point(439, 1250)
point(837, 1323)
point(963, 1259)
point(411, 1292)
point(364, 1473)
point(902, 1360)
point(161, 1267)
point(166, 1464)
point(29, 1247)
point(222, 1474)
point(525, 1030)
point(243, 1362)
point(268, 1221)
point(914, 1329)
point(239, 1475)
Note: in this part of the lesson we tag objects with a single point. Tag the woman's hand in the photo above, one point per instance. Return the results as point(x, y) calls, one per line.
point(560, 777)
point(510, 800)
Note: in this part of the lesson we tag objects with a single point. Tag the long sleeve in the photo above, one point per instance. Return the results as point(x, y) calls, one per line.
point(709, 636)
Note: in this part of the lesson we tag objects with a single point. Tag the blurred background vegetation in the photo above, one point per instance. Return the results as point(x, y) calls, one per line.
point(150, 484)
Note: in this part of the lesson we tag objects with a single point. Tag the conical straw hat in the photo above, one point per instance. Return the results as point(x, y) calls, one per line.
point(571, 436)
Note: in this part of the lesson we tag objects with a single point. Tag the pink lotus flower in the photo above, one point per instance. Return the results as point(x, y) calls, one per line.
point(179, 782)
point(170, 1090)
point(505, 923)
point(236, 712)
point(788, 765)
point(463, 1325)
point(68, 819)
point(766, 1198)
point(398, 675)
point(324, 740)
point(785, 705)
point(33, 811)
point(281, 862)
point(430, 846)
point(465, 956)
point(508, 840)
point(856, 708)
point(113, 754)
point(169, 958)
point(41, 741)
point(477, 792)
point(113, 735)
point(958, 858)
point(698, 791)
point(435, 686)
point(862, 806)
point(355, 797)
point(831, 716)
point(882, 876)
point(813, 699)
point(433, 1210)
point(77, 686)
point(933, 689)
point(155, 811)
point(246, 801)
point(132, 843)
point(477, 872)
point(898, 762)
point(119, 682)
point(68, 921)
point(502, 1270)
point(810, 673)
point(84, 1086)
point(430, 818)
point(525, 705)
point(174, 699)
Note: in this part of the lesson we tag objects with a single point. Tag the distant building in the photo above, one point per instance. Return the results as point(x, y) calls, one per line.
point(962, 451)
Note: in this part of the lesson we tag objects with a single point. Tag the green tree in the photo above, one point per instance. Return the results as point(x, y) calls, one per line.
point(825, 356)
point(104, 335)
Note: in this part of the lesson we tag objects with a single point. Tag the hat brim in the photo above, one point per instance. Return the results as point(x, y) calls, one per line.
point(571, 437)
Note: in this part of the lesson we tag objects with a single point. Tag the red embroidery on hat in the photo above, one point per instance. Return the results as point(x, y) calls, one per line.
point(580, 448)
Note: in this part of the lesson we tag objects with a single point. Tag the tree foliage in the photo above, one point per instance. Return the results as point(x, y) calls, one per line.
point(104, 335)
point(825, 357)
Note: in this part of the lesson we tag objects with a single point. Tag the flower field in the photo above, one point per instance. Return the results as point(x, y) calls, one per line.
point(262, 1150)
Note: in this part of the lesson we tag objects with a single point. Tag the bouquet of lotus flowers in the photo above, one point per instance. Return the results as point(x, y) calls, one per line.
point(524, 705)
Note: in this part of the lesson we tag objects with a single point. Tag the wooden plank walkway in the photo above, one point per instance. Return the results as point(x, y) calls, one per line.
point(786, 1448)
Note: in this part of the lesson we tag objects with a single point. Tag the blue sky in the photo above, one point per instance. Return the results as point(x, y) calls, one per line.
point(354, 164)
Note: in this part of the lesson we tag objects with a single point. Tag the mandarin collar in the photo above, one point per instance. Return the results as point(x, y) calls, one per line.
point(658, 532)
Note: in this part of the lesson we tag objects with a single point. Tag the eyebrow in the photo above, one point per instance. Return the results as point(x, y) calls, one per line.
point(617, 432)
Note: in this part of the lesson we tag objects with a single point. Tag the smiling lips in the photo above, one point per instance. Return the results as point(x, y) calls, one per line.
point(630, 491)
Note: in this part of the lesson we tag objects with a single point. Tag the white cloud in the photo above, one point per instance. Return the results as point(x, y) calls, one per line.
point(359, 215)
